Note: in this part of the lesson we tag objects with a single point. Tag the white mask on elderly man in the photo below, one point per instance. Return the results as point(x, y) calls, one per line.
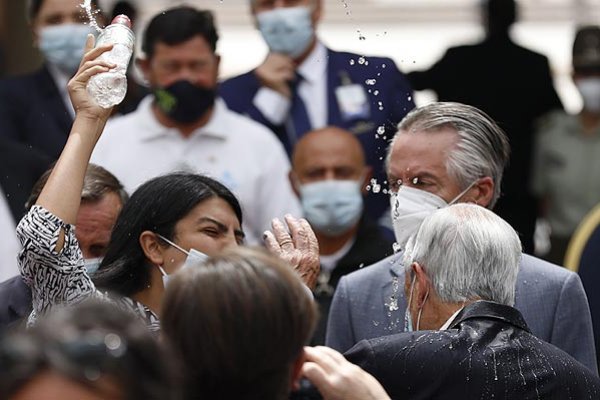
point(194, 258)
point(410, 206)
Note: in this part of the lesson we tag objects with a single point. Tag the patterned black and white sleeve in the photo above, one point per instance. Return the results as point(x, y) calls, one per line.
point(55, 278)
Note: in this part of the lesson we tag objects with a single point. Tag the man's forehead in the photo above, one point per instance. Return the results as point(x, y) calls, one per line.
point(419, 152)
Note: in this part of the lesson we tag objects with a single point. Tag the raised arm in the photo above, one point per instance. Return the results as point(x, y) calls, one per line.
point(62, 193)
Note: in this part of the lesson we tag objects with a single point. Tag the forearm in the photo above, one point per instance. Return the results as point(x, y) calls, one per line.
point(62, 193)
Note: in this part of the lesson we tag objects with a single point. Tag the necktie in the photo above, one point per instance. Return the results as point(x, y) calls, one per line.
point(299, 122)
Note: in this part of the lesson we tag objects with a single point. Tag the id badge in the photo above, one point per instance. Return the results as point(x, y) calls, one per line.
point(353, 102)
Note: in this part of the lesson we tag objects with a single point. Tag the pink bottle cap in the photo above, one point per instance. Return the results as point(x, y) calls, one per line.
point(123, 20)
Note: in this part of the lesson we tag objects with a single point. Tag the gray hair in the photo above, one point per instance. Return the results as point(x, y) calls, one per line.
point(96, 183)
point(482, 150)
point(468, 253)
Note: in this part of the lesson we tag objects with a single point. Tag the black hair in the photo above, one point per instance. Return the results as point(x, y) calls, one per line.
point(86, 342)
point(124, 7)
point(501, 14)
point(34, 6)
point(155, 206)
point(178, 25)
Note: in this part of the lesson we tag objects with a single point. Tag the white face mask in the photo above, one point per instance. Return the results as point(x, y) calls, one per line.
point(589, 88)
point(92, 264)
point(194, 258)
point(411, 206)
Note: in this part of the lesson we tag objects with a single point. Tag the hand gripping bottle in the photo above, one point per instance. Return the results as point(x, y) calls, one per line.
point(109, 88)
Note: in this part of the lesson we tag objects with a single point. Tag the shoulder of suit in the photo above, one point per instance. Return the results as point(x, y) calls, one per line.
point(541, 269)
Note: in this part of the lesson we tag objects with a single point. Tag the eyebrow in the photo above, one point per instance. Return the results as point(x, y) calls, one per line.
point(237, 232)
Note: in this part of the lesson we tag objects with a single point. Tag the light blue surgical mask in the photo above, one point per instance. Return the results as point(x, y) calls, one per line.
point(194, 258)
point(332, 207)
point(287, 30)
point(63, 45)
point(92, 264)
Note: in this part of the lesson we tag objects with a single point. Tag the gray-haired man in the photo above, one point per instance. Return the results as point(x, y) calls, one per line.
point(460, 275)
point(445, 153)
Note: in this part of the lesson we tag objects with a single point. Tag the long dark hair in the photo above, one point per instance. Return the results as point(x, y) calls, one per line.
point(155, 206)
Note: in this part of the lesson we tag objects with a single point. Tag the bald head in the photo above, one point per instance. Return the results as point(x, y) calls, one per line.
point(328, 153)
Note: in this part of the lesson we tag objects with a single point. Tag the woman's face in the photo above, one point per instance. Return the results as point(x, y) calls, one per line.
point(210, 227)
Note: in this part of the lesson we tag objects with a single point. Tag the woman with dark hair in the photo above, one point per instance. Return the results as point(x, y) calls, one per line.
point(240, 324)
point(87, 352)
point(166, 221)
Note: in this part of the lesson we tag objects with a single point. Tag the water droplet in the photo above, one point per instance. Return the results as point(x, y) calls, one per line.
point(351, 61)
point(381, 129)
point(361, 60)
point(382, 65)
point(376, 92)
point(371, 82)
point(396, 247)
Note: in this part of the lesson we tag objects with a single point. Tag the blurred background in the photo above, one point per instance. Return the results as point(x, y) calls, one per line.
point(415, 33)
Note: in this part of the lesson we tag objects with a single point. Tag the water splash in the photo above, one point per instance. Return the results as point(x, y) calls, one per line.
point(87, 7)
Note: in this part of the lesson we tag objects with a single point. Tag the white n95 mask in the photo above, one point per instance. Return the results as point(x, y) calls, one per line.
point(410, 206)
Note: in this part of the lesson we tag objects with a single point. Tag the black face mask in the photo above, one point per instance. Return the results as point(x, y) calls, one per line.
point(184, 102)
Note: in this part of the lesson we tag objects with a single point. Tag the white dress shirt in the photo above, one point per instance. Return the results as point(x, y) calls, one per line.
point(312, 90)
point(238, 152)
point(9, 245)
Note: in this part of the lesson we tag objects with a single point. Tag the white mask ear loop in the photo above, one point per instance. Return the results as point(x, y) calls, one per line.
point(187, 253)
point(421, 310)
point(461, 194)
point(412, 289)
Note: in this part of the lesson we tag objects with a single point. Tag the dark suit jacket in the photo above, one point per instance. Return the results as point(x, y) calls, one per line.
point(370, 246)
point(393, 90)
point(15, 302)
point(487, 352)
point(33, 112)
point(20, 168)
point(514, 86)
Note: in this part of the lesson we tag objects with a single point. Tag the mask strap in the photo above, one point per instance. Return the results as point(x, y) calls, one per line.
point(412, 288)
point(162, 271)
point(461, 194)
point(187, 253)
point(421, 310)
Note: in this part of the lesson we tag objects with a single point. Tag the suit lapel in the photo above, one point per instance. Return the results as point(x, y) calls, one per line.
point(52, 100)
point(333, 82)
point(393, 301)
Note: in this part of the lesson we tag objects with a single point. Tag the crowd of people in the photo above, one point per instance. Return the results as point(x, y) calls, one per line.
point(282, 234)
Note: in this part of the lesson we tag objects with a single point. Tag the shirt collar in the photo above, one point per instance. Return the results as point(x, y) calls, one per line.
point(447, 323)
point(218, 125)
point(315, 65)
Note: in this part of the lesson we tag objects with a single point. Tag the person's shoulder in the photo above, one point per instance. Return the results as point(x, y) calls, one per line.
point(237, 81)
point(539, 269)
point(365, 62)
point(379, 272)
point(13, 287)
point(247, 130)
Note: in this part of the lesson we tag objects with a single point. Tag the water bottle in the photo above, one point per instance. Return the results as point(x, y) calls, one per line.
point(109, 88)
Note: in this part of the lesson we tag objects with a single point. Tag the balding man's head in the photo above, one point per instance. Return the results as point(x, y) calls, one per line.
point(329, 175)
point(328, 153)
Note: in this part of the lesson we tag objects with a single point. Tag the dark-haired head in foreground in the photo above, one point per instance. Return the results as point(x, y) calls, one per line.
point(87, 352)
point(239, 323)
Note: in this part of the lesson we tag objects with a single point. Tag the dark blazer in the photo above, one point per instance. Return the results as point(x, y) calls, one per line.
point(15, 301)
point(514, 86)
point(393, 92)
point(20, 168)
point(370, 246)
point(487, 352)
point(33, 112)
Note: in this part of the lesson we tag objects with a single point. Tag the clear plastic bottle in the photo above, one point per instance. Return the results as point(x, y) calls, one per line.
point(109, 88)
